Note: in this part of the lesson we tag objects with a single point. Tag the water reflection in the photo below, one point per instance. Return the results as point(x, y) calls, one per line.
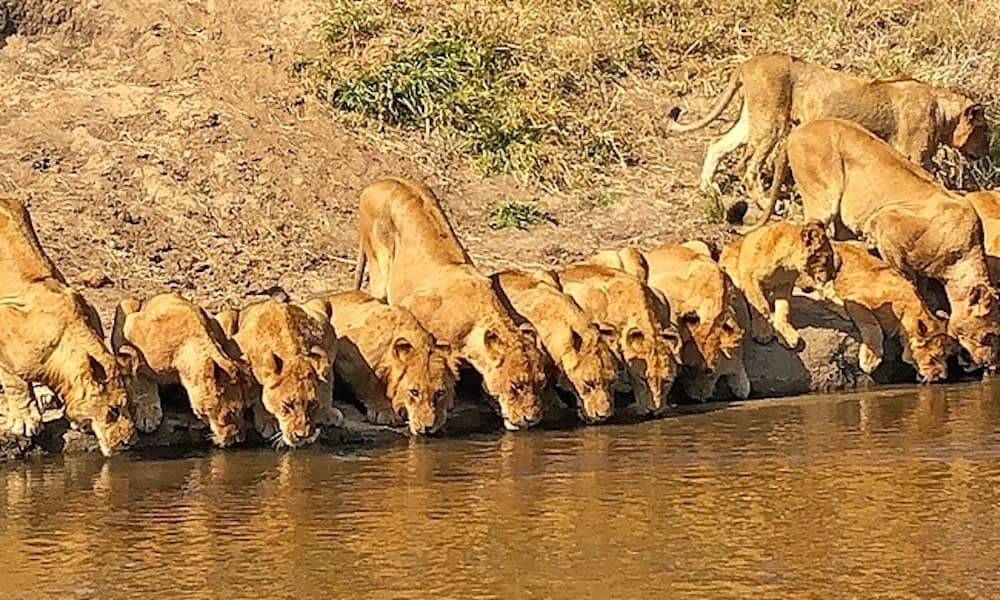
point(888, 493)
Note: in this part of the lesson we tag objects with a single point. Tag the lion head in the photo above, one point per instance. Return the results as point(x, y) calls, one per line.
point(420, 383)
point(650, 362)
point(973, 323)
point(590, 369)
point(290, 351)
point(98, 397)
point(218, 396)
point(928, 351)
point(512, 373)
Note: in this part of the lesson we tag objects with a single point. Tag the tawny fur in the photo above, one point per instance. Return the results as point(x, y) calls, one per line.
point(178, 345)
point(50, 335)
point(780, 92)
point(765, 264)
point(702, 301)
point(881, 302)
point(290, 350)
point(415, 260)
point(987, 205)
point(636, 325)
point(583, 363)
point(864, 188)
point(393, 365)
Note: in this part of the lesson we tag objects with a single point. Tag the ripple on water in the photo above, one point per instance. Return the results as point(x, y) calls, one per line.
point(852, 495)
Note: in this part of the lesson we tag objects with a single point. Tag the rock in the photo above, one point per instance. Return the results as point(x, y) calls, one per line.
point(826, 360)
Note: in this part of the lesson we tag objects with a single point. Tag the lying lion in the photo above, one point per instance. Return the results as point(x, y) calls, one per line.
point(290, 350)
point(50, 335)
point(781, 91)
point(765, 264)
point(881, 302)
point(178, 346)
point(395, 368)
point(703, 300)
point(581, 360)
point(858, 183)
point(636, 325)
point(417, 262)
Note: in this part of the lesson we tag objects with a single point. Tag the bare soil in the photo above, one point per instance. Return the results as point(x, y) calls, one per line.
point(168, 145)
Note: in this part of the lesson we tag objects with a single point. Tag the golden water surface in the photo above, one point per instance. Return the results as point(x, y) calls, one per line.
point(889, 494)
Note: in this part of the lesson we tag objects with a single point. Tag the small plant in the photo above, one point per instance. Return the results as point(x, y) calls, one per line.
point(516, 214)
point(715, 209)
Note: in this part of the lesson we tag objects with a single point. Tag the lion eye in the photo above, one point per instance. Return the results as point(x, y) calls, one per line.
point(414, 393)
point(589, 386)
point(287, 407)
point(114, 413)
point(439, 395)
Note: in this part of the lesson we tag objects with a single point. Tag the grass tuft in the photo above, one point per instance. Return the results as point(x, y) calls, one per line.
point(517, 215)
point(570, 94)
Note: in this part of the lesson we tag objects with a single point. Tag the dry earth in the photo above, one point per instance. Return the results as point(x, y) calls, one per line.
point(168, 145)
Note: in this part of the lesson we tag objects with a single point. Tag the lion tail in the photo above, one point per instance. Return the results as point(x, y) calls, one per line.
point(359, 271)
point(720, 105)
point(780, 173)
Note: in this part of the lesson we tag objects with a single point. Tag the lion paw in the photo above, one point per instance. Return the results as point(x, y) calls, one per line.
point(868, 360)
point(384, 416)
point(147, 416)
point(788, 337)
point(330, 416)
point(25, 422)
point(265, 424)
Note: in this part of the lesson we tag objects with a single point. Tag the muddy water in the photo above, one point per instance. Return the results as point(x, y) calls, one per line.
point(888, 494)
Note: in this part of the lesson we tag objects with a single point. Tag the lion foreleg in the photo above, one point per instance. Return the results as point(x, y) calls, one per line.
point(20, 408)
point(760, 313)
point(787, 334)
point(871, 351)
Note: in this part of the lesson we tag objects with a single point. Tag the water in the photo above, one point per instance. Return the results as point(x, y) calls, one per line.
point(893, 493)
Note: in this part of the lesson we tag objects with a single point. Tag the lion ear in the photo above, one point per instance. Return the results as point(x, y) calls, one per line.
point(128, 359)
point(975, 114)
point(922, 328)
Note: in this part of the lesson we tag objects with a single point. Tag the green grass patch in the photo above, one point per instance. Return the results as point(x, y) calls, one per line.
point(518, 215)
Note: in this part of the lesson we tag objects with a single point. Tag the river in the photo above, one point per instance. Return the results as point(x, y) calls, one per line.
point(890, 493)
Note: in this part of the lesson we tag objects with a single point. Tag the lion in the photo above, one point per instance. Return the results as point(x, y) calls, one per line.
point(782, 91)
point(393, 365)
point(987, 205)
point(636, 325)
point(178, 345)
point(417, 262)
point(881, 302)
point(703, 301)
point(765, 264)
point(290, 350)
point(861, 186)
point(51, 336)
point(582, 362)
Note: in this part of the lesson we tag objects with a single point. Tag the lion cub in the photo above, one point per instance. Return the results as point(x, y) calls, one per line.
point(179, 346)
point(704, 300)
point(416, 261)
point(765, 265)
point(878, 298)
point(50, 335)
point(636, 325)
point(290, 350)
point(393, 365)
point(581, 359)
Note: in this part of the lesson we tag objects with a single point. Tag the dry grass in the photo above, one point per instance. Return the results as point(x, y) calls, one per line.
point(568, 94)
